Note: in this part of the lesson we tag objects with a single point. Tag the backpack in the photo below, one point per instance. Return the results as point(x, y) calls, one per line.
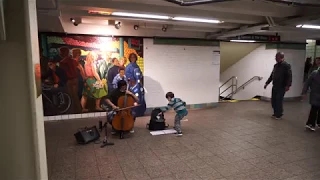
point(157, 120)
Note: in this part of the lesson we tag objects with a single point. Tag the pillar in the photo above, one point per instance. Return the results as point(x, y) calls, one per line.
point(121, 49)
point(23, 154)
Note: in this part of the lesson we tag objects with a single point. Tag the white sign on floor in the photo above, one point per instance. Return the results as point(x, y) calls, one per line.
point(161, 132)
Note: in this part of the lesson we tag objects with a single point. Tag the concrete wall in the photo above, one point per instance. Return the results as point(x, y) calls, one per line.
point(23, 154)
point(191, 72)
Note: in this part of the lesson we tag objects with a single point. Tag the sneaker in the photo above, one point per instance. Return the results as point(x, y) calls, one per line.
point(178, 133)
point(132, 131)
point(275, 117)
point(311, 128)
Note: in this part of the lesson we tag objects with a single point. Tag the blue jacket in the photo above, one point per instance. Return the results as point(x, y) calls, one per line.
point(133, 71)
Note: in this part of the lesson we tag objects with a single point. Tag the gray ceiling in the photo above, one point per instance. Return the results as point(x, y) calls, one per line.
point(239, 16)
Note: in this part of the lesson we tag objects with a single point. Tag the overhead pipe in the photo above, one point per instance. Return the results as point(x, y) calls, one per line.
point(196, 2)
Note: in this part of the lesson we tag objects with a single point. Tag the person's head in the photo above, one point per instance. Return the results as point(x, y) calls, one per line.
point(91, 57)
point(308, 60)
point(64, 52)
point(279, 57)
point(121, 72)
point(123, 61)
point(133, 57)
point(317, 61)
point(76, 53)
point(122, 85)
point(115, 62)
point(52, 65)
point(169, 96)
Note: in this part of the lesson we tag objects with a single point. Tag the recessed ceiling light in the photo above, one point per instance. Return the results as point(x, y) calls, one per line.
point(99, 12)
point(238, 40)
point(197, 20)
point(308, 26)
point(148, 16)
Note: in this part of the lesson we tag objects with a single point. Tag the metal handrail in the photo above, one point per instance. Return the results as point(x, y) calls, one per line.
point(234, 83)
point(233, 77)
point(244, 85)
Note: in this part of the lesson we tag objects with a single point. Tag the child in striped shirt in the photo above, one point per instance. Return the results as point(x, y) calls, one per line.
point(179, 107)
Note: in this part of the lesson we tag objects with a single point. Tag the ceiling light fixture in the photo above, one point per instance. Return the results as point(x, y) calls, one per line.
point(308, 26)
point(246, 41)
point(164, 28)
point(99, 12)
point(117, 25)
point(72, 20)
point(197, 20)
point(147, 16)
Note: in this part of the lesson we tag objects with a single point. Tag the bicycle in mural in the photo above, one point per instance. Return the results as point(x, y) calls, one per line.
point(54, 103)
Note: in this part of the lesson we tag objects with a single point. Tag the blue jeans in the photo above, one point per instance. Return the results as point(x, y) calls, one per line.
point(178, 118)
point(277, 101)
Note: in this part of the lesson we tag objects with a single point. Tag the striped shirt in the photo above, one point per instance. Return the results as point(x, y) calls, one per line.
point(177, 104)
point(116, 79)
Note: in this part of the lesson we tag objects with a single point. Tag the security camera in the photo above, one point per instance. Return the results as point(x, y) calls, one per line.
point(136, 27)
point(75, 22)
point(72, 20)
point(164, 28)
point(118, 25)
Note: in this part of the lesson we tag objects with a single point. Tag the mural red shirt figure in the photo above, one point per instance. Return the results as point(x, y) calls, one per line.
point(70, 68)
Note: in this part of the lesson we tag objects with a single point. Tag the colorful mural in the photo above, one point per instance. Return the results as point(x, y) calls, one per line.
point(78, 71)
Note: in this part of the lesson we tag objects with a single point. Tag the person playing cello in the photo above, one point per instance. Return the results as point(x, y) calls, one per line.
point(113, 97)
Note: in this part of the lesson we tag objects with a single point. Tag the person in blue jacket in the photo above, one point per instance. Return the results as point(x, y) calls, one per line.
point(134, 77)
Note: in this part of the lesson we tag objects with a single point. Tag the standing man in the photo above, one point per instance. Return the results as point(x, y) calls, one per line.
point(313, 83)
point(70, 67)
point(57, 76)
point(113, 71)
point(282, 79)
point(76, 54)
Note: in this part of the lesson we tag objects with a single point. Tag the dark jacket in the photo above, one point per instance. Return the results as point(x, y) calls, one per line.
point(113, 71)
point(61, 75)
point(281, 75)
point(313, 83)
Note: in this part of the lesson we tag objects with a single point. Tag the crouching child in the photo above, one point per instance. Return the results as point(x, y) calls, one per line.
point(179, 107)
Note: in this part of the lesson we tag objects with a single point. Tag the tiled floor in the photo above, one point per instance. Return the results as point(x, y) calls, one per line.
point(236, 141)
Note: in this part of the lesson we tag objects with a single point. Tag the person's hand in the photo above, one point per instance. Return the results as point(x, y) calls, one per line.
point(128, 92)
point(265, 86)
point(287, 88)
point(56, 85)
point(135, 104)
point(115, 108)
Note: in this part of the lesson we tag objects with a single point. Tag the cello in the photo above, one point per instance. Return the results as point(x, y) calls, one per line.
point(123, 121)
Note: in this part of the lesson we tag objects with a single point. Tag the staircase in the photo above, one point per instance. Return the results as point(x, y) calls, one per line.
point(234, 88)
